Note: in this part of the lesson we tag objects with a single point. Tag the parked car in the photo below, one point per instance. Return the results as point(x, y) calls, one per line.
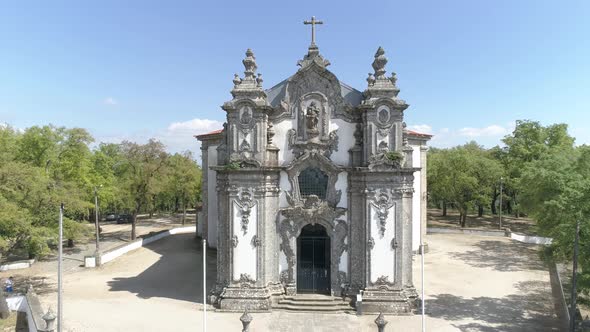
point(111, 217)
point(124, 219)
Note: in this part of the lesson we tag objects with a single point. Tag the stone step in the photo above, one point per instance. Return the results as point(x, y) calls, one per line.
point(312, 297)
point(315, 303)
point(309, 308)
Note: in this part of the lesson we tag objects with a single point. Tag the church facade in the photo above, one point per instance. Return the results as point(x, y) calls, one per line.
point(314, 187)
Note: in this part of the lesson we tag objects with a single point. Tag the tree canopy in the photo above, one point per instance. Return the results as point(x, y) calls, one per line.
point(41, 167)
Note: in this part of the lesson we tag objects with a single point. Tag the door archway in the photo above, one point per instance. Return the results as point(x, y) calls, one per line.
point(313, 260)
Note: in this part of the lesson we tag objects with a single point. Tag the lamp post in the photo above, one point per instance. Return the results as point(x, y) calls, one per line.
point(574, 279)
point(501, 189)
point(97, 227)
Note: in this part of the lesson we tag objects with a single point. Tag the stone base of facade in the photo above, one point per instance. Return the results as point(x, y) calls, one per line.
point(397, 302)
point(241, 298)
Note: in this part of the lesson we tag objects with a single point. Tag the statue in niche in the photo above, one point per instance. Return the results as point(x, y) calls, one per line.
point(312, 119)
point(246, 116)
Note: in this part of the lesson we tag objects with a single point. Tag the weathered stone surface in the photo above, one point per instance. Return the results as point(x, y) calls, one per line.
point(270, 138)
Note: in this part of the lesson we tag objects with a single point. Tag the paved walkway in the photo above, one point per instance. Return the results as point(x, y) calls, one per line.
point(473, 284)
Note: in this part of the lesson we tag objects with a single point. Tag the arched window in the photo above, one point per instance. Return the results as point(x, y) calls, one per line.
point(312, 181)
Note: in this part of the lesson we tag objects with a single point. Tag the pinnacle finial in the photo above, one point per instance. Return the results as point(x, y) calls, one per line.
point(379, 63)
point(250, 65)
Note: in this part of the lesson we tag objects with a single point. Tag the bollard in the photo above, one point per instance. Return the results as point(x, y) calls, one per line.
point(49, 319)
point(381, 322)
point(246, 319)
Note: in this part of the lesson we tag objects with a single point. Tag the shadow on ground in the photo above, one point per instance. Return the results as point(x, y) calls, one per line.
point(527, 311)
point(176, 275)
point(502, 256)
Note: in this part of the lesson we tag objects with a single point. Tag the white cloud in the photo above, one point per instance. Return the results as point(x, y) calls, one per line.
point(200, 125)
point(177, 136)
point(493, 130)
point(110, 101)
point(487, 136)
point(421, 128)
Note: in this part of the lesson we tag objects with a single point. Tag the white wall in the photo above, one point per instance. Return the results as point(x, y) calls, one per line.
point(342, 184)
point(212, 215)
point(416, 208)
point(346, 141)
point(382, 255)
point(280, 140)
point(244, 257)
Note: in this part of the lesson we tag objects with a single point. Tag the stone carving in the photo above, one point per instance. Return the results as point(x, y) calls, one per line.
point(245, 146)
point(255, 242)
point(393, 244)
point(342, 280)
point(325, 147)
point(371, 243)
point(270, 133)
point(379, 64)
point(384, 158)
point(234, 241)
point(246, 116)
point(358, 135)
point(312, 119)
point(370, 79)
point(383, 115)
point(245, 202)
point(284, 277)
point(382, 201)
point(246, 281)
point(259, 80)
point(379, 86)
point(250, 86)
point(382, 280)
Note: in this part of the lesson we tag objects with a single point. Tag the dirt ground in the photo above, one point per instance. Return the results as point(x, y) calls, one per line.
point(472, 284)
point(520, 225)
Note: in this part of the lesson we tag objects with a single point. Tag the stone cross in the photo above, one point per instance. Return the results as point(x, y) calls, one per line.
point(313, 22)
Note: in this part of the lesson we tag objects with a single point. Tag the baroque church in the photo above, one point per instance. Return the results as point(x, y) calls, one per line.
point(314, 187)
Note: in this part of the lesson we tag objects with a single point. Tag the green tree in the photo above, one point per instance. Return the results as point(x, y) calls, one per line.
point(464, 176)
point(143, 164)
point(529, 141)
point(184, 180)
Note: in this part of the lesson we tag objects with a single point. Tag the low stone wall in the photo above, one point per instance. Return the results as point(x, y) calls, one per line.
point(17, 265)
point(31, 306)
point(111, 254)
point(475, 231)
point(531, 239)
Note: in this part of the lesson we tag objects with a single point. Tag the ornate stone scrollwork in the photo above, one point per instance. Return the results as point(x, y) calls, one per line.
point(245, 202)
point(382, 280)
point(246, 281)
point(371, 243)
point(382, 200)
point(326, 147)
point(234, 241)
point(270, 133)
point(255, 242)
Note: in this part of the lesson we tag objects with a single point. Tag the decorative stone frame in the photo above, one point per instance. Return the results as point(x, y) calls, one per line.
point(290, 231)
point(317, 160)
point(302, 212)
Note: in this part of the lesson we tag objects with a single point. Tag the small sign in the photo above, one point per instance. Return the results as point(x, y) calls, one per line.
point(359, 298)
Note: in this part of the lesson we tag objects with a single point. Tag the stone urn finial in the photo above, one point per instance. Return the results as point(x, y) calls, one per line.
point(246, 319)
point(49, 319)
point(381, 322)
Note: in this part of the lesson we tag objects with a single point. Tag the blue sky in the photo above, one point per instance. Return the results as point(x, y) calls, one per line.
point(141, 69)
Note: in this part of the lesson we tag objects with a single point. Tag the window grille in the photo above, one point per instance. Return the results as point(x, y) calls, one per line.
point(312, 181)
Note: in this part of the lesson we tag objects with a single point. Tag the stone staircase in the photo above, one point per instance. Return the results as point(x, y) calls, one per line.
point(314, 303)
